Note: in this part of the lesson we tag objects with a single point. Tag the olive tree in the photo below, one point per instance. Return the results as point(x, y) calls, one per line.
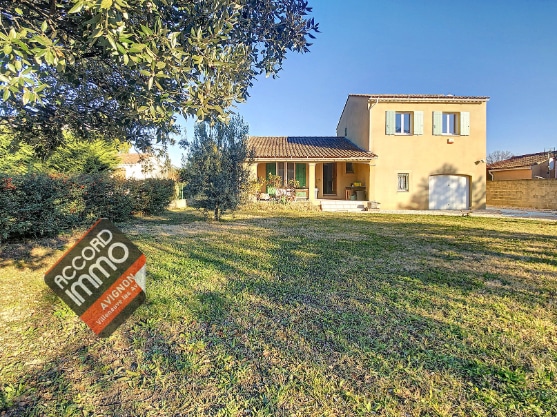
point(215, 170)
point(127, 68)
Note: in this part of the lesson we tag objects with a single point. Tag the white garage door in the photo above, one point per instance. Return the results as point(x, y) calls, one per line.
point(449, 192)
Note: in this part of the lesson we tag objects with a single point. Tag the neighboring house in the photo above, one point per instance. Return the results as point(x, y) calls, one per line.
point(523, 167)
point(401, 151)
point(139, 167)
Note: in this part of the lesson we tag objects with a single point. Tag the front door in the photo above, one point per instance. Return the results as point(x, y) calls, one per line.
point(330, 179)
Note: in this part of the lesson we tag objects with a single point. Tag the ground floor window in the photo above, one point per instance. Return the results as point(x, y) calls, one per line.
point(403, 182)
point(288, 171)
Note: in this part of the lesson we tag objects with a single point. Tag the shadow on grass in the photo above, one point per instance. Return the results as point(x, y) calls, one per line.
point(34, 253)
point(31, 253)
point(308, 316)
point(169, 217)
point(317, 314)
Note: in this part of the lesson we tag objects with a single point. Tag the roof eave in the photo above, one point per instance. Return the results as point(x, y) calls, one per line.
point(510, 169)
point(446, 99)
point(310, 159)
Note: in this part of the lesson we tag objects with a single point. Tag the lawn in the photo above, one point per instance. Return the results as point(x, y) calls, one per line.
point(278, 313)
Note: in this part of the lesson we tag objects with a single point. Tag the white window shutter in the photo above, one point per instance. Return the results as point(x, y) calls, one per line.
point(437, 123)
point(390, 122)
point(465, 123)
point(418, 122)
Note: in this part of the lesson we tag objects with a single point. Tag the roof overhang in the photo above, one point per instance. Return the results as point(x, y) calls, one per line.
point(510, 169)
point(425, 99)
point(306, 149)
point(306, 160)
point(373, 99)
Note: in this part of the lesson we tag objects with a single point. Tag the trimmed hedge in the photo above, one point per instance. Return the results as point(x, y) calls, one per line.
point(35, 205)
point(151, 196)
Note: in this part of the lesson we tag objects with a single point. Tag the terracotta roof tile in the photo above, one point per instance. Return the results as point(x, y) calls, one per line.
point(307, 147)
point(130, 158)
point(435, 97)
point(520, 161)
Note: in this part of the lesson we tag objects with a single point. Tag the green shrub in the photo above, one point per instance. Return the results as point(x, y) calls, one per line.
point(152, 196)
point(8, 205)
point(106, 197)
point(33, 205)
point(29, 205)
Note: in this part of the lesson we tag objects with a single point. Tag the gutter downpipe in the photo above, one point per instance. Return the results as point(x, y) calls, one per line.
point(371, 105)
point(371, 174)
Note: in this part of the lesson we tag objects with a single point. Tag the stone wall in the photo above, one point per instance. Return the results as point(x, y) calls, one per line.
point(538, 194)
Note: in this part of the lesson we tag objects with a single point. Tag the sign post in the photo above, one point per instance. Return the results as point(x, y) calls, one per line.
point(101, 278)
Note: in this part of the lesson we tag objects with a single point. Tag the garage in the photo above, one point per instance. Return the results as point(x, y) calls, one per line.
point(449, 192)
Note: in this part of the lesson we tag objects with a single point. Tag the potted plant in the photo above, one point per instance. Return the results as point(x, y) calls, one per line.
point(291, 188)
point(273, 182)
point(255, 187)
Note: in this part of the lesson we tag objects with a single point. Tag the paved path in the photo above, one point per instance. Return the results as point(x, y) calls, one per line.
point(488, 212)
point(519, 213)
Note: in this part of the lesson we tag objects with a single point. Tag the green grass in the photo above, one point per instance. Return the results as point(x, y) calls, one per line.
point(280, 313)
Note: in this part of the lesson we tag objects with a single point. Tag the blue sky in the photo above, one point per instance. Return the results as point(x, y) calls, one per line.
point(504, 49)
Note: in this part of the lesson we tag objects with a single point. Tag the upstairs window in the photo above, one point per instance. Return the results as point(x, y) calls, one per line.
point(446, 123)
point(449, 124)
point(404, 122)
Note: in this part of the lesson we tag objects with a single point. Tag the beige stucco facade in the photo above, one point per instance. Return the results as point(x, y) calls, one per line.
point(315, 176)
point(401, 151)
point(536, 171)
point(322, 166)
point(418, 155)
point(524, 173)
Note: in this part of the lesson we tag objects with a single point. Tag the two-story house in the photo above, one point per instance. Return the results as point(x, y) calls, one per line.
point(401, 151)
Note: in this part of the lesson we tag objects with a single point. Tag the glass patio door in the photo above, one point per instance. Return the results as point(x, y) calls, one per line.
point(329, 178)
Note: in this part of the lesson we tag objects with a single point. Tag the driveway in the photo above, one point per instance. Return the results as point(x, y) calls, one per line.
point(517, 213)
point(500, 212)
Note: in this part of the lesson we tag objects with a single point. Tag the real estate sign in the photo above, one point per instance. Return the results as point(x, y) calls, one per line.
point(101, 278)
